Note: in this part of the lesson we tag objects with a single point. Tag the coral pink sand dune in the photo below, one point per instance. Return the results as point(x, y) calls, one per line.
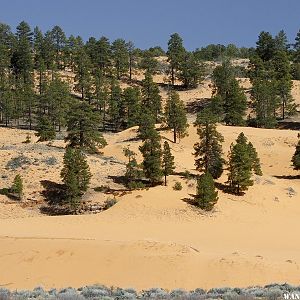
point(155, 238)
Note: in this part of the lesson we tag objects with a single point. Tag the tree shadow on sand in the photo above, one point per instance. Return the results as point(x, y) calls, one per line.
point(291, 177)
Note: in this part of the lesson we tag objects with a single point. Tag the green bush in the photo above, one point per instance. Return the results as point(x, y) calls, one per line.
point(17, 187)
point(109, 202)
point(177, 186)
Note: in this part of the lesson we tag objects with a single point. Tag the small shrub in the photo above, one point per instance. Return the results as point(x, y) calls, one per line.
point(17, 187)
point(28, 139)
point(102, 188)
point(50, 161)
point(109, 202)
point(155, 293)
point(135, 185)
point(177, 186)
point(187, 175)
point(18, 162)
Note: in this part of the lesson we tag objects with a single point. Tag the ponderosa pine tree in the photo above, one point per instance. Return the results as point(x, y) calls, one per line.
point(75, 175)
point(175, 115)
point(191, 70)
point(175, 54)
point(55, 102)
point(231, 97)
point(148, 63)
point(296, 157)
point(45, 129)
point(22, 59)
point(208, 152)
point(82, 127)
point(265, 46)
point(120, 56)
point(151, 99)
point(265, 102)
point(243, 162)
point(168, 165)
point(132, 98)
point(104, 55)
point(283, 82)
point(151, 151)
point(133, 169)
point(117, 107)
point(59, 40)
point(206, 195)
point(83, 76)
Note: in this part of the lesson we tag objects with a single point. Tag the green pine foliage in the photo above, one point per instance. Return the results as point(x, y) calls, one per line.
point(151, 99)
point(206, 195)
point(296, 157)
point(17, 187)
point(168, 165)
point(132, 99)
point(151, 151)
point(82, 126)
point(134, 171)
point(45, 129)
point(175, 53)
point(75, 175)
point(231, 97)
point(175, 115)
point(243, 162)
point(208, 152)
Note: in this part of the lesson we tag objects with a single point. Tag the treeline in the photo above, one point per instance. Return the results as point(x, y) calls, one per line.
point(33, 94)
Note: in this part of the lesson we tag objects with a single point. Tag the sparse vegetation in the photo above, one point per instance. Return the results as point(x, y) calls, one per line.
point(177, 186)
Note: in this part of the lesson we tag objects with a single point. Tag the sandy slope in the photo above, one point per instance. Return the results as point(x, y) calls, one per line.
point(153, 237)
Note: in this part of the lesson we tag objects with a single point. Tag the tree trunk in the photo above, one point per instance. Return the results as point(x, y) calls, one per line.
point(175, 136)
point(165, 180)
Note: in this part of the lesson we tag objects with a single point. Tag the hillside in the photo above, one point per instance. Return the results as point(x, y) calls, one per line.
point(153, 237)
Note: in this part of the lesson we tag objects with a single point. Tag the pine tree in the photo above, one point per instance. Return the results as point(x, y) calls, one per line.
point(232, 99)
point(265, 46)
point(146, 121)
point(120, 57)
point(243, 161)
point(133, 169)
point(235, 105)
point(82, 127)
point(104, 55)
point(265, 102)
point(17, 187)
point(191, 71)
point(151, 151)
point(175, 54)
point(132, 98)
point(168, 165)
point(83, 76)
point(175, 115)
point(206, 195)
point(296, 157)
point(208, 152)
point(75, 175)
point(151, 98)
point(148, 63)
point(281, 41)
point(117, 107)
point(22, 59)
point(45, 129)
point(283, 82)
point(255, 161)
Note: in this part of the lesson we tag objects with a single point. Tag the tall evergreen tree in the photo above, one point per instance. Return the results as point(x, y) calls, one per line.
point(75, 175)
point(175, 115)
point(120, 57)
point(191, 71)
point(132, 98)
point(22, 59)
point(208, 152)
point(83, 76)
point(175, 53)
point(82, 127)
point(151, 151)
point(151, 98)
point(168, 165)
point(45, 129)
point(243, 161)
point(206, 195)
point(59, 40)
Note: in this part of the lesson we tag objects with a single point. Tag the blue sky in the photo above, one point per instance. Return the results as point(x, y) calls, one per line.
point(150, 22)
